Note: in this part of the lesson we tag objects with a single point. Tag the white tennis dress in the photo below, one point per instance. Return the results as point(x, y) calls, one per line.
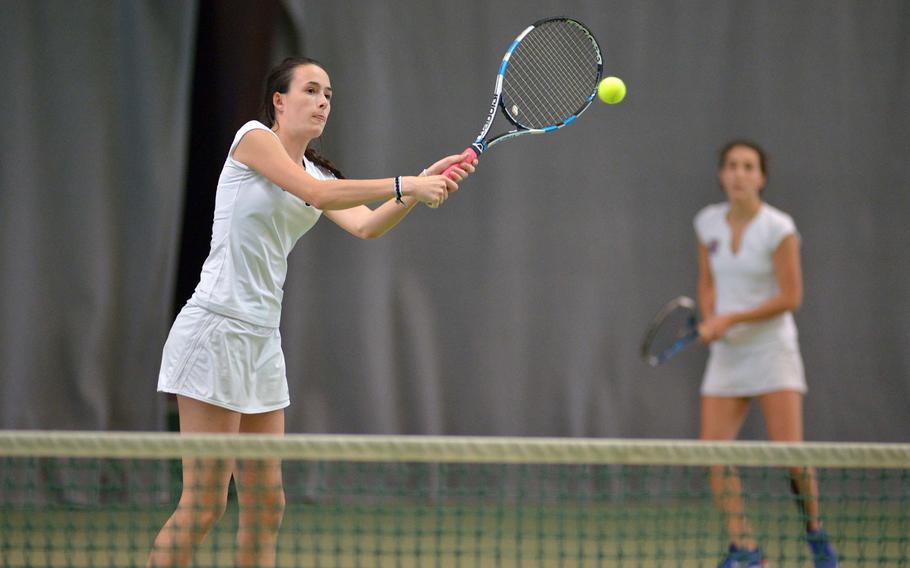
point(224, 347)
point(757, 357)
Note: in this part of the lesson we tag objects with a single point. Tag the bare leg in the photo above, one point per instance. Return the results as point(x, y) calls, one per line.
point(783, 412)
point(721, 419)
point(205, 487)
point(261, 496)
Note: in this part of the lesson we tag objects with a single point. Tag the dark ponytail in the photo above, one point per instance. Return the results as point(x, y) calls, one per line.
point(278, 81)
point(323, 162)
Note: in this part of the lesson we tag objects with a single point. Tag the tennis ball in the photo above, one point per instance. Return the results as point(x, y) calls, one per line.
point(611, 90)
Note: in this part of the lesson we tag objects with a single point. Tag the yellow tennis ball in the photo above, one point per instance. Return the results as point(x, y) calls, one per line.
point(611, 90)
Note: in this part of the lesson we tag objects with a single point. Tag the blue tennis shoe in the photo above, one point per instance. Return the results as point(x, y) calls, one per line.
point(823, 553)
point(743, 558)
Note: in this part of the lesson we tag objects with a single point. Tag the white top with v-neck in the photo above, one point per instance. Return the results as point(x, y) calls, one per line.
point(745, 279)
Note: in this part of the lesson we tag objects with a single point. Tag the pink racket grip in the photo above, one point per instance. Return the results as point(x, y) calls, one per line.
point(471, 156)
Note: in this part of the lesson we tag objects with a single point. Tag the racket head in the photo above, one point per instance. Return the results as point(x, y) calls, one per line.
point(673, 328)
point(550, 74)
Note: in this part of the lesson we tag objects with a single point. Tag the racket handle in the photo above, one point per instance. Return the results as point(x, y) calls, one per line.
point(471, 156)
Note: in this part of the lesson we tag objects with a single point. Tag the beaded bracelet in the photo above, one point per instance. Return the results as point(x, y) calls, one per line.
point(398, 190)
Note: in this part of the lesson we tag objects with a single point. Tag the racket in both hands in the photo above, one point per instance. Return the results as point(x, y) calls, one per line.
point(673, 329)
point(547, 78)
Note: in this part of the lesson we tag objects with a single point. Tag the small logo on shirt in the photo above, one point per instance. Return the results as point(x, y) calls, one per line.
point(712, 246)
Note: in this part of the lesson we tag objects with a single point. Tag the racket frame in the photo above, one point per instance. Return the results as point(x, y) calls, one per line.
point(682, 342)
point(480, 144)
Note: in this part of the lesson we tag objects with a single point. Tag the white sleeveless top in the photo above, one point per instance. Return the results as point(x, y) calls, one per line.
point(255, 227)
point(746, 279)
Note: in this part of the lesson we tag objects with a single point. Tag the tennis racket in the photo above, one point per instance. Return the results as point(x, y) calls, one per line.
point(673, 329)
point(547, 78)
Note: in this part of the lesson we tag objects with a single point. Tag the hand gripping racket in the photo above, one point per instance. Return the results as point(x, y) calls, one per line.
point(547, 78)
point(673, 328)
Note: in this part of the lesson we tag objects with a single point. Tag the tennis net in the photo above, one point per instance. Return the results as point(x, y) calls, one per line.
point(99, 499)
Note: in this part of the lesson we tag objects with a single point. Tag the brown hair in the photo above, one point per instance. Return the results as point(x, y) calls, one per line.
point(278, 81)
point(762, 155)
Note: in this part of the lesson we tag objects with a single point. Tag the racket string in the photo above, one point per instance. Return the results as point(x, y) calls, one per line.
point(551, 74)
point(576, 74)
point(549, 87)
point(551, 52)
point(563, 77)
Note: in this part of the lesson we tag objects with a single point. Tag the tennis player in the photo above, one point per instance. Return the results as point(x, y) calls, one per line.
point(223, 356)
point(749, 284)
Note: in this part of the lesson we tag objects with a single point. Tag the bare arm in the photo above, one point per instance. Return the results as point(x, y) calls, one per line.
point(367, 223)
point(264, 153)
point(706, 294)
point(788, 271)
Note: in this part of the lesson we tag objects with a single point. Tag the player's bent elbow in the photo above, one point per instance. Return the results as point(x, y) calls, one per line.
point(366, 233)
point(373, 233)
point(310, 197)
point(316, 199)
point(793, 302)
point(314, 194)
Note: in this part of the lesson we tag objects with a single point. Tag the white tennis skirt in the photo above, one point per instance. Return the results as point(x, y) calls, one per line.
point(753, 370)
point(224, 361)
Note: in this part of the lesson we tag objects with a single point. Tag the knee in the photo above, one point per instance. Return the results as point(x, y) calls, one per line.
point(266, 508)
point(272, 509)
point(724, 481)
point(198, 518)
point(801, 475)
point(722, 474)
